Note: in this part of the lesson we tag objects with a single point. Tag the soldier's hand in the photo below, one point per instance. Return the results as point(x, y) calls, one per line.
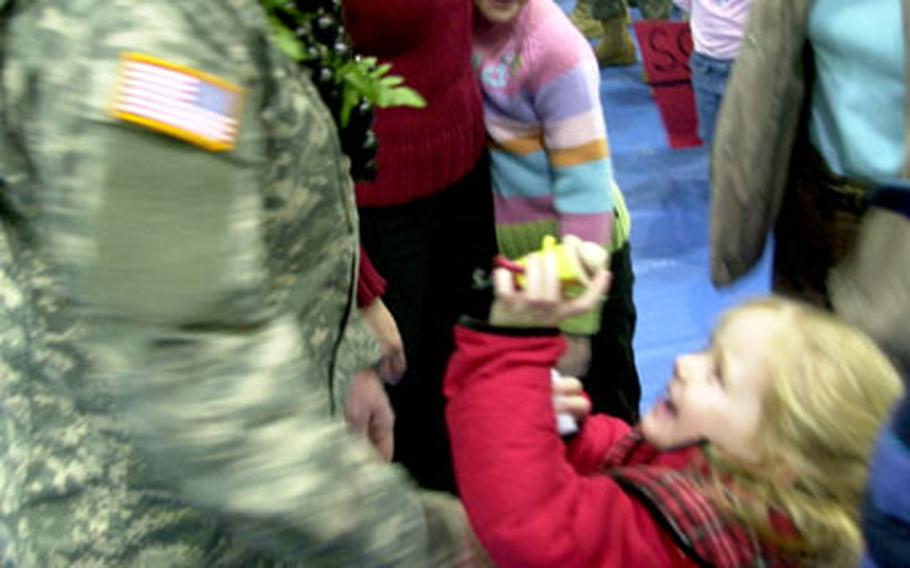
point(369, 412)
point(380, 321)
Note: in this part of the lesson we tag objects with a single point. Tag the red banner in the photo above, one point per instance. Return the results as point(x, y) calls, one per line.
point(665, 50)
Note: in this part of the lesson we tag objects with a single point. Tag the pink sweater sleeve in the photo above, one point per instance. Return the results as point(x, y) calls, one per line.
point(527, 504)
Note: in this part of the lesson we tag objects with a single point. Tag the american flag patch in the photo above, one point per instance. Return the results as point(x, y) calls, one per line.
point(181, 102)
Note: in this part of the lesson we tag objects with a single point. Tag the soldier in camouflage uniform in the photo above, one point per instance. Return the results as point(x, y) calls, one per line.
point(650, 9)
point(616, 47)
point(177, 322)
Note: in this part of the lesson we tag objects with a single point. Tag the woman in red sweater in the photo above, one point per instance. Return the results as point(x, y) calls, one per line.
point(756, 457)
point(427, 219)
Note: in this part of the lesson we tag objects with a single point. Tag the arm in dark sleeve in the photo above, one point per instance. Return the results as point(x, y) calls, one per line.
point(902, 422)
point(886, 509)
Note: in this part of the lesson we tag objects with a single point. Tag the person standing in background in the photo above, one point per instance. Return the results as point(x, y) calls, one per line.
point(653, 9)
point(608, 21)
point(426, 220)
point(552, 174)
point(886, 512)
point(581, 18)
point(814, 116)
point(871, 289)
point(615, 47)
point(717, 33)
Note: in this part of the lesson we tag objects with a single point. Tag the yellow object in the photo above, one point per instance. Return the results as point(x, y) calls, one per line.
point(575, 259)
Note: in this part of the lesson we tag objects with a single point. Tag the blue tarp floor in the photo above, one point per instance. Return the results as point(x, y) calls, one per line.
point(667, 192)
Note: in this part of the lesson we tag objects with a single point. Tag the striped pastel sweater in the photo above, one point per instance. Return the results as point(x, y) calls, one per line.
point(550, 158)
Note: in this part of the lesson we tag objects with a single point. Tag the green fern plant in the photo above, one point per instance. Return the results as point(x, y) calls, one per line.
point(361, 79)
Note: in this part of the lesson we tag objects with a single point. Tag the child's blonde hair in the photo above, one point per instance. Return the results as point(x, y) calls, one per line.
point(829, 390)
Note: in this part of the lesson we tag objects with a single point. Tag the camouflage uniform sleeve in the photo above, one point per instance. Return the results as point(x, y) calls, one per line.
point(358, 351)
point(161, 245)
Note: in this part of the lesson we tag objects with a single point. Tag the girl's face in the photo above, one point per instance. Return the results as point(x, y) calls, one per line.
point(716, 395)
point(499, 11)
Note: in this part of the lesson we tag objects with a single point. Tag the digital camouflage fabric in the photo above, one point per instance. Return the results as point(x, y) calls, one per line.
point(649, 9)
point(177, 325)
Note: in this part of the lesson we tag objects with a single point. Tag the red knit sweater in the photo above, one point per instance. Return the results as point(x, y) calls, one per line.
point(421, 151)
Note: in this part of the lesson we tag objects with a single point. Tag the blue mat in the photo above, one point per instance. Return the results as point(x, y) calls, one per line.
point(668, 193)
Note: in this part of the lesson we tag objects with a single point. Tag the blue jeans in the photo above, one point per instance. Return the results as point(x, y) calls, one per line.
point(709, 81)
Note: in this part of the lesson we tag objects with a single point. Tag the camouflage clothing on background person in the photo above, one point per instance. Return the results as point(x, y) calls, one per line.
point(649, 9)
point(582, 19)
point(655, 9)
point(200, 301)
point(607, 9)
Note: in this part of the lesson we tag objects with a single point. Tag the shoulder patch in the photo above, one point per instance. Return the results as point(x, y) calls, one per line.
point(178, 101)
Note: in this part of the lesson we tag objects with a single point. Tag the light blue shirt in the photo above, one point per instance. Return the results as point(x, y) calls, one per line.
point(858, 117)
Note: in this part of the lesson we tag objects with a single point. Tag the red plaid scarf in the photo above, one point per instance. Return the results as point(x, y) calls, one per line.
point(706, 534)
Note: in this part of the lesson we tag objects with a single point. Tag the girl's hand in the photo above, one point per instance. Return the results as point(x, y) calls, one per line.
point(541, 303)
point(569, 396)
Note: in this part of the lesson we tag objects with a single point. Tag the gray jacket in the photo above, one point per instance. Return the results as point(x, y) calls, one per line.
point(756, 131)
